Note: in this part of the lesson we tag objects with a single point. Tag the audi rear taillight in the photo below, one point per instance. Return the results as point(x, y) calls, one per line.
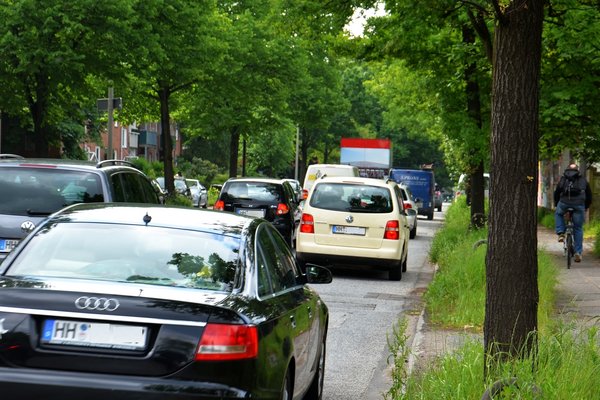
point(282, 209)
point(219, 205)
point(307, 224)
point(221, 342)
point(392, 230)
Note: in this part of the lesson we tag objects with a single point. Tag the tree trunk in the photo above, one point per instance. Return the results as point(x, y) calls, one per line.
point(37, 107)
point(511, 261)
point(234, 149)
point(475, 193)
point(164, 93)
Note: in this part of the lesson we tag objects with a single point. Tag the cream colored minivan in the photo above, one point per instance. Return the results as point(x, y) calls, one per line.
point(316, 171)
point(354, 221)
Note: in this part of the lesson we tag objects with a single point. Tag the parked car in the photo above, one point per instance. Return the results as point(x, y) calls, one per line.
point(296, 186)
point(199, 193)
point(354, 221)
point(410, 206)
point(181, 187)
point(31, 189)
point(271, 199)
point(123, 301)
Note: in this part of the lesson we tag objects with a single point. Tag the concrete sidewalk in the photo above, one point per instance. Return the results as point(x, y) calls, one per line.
point(578, 299)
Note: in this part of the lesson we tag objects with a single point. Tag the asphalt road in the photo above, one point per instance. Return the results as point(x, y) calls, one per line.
point(364, 309)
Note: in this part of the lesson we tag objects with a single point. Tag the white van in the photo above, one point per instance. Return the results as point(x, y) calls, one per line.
point(316, 171)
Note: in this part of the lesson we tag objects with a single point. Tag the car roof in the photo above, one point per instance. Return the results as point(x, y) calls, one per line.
point(155, 215)
point(249, 179)
point(64, 163)
point(354, 180)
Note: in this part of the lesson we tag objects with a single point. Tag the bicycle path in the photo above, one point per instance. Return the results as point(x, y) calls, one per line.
point(578, 299)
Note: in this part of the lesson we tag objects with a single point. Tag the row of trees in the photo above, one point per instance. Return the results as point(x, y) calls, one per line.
point(478, 81)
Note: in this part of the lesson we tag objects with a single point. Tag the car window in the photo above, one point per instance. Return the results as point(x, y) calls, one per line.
point(30, 191)
point(351, 197)
point(252, 191)
point(275, 262)
point(125, 253)
point(129, 187)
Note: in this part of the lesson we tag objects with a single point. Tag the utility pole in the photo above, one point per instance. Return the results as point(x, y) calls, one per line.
point(110, 122)
point(297, 150)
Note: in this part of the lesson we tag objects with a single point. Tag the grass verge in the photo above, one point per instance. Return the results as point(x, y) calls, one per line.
point(568, 356)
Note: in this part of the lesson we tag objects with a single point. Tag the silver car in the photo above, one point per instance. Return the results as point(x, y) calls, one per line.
point(199, 193)
point(411, 209)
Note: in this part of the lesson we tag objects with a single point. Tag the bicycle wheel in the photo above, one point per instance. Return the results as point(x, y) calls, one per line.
point(570, 252)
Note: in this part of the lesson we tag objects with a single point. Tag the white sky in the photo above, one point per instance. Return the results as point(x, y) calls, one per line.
point(356, 25)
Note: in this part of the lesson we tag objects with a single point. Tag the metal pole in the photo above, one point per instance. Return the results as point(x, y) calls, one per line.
point(297, 150)
point(110, 123)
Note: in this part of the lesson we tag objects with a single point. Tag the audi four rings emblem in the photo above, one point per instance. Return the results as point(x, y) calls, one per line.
point(96, 303)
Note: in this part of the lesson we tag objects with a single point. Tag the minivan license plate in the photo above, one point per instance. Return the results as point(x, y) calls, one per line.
point(94, 334)
point(349, 230)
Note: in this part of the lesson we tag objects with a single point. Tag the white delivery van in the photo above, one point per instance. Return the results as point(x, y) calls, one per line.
point(316, 171)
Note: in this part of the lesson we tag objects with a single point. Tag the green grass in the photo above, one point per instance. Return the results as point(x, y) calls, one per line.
point(568, 357)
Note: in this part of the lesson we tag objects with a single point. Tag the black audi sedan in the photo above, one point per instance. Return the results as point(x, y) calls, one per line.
point(131, 301)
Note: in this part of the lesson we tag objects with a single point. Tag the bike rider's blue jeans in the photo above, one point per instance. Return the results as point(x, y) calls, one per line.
point(578, 218)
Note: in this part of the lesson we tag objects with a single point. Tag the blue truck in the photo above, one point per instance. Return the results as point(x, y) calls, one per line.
point(422, 185)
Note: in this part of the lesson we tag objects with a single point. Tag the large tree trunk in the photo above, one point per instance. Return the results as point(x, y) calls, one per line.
point(38, 108)
point(511, 261)
point(165, 124)
point(475, 193)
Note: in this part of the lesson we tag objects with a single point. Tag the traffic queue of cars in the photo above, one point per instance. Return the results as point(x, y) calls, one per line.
point(109, 293)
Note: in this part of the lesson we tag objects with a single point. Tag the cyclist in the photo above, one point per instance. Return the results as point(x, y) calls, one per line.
point(572, 191)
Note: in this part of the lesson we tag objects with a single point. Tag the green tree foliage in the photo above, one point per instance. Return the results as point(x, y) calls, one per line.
point(49, 48)
point(570, 80)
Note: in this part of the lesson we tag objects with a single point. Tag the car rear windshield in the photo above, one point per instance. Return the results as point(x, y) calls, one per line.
point(252, 191)
point(42, 191)
point(128, 253)
point(352, 197)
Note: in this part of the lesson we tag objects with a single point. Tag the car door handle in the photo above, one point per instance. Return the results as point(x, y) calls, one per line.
point(293, 321)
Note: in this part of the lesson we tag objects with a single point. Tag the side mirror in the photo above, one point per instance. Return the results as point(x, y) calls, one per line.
point(318, 274)
point(411, 211)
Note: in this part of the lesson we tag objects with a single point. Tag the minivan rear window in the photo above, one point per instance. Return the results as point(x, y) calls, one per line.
point(352, 197)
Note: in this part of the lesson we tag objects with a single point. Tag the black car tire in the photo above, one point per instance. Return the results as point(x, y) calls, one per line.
point(430, 215)
point(315, 391)
point(395, 273)
point(405, 263)
point(413, 232)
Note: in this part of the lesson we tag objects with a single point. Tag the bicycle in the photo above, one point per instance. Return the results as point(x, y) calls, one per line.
point(568, 246)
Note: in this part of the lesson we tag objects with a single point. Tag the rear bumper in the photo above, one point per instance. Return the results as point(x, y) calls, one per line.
point(383, 264)
point(20, 384)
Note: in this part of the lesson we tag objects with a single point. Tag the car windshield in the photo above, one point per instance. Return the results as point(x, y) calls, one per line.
point(127, 253)
point(253, 191)
point(352, 197)
point(42, 191)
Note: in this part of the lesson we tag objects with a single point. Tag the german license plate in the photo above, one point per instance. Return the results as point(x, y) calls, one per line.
point(349, 230)
point(260, 213)
point(94, 334)
point(6, 245)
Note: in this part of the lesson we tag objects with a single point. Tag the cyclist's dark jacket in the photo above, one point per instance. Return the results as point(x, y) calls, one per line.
point(583, 197)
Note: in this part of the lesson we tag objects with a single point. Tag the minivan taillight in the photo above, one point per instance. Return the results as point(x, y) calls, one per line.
point(307, 224)
point(392, 230)
point(282, 209)
point(407, 206)
point(221, 342)
point(219, 205)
